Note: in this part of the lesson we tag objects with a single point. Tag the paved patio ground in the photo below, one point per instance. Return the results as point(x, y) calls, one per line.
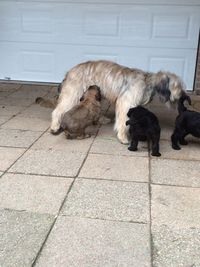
point(89, 203)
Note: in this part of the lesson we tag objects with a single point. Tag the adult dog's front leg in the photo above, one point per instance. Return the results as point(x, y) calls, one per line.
point(65, 104)
point(56, 120)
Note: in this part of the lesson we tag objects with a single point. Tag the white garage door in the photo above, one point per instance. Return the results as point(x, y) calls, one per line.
point(41, 39)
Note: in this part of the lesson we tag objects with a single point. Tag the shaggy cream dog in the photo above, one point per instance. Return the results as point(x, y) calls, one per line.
point(126, 87)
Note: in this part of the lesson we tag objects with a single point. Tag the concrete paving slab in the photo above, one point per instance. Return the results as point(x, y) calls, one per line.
point(10, 110)
point(21, 235)
point(172, 205)
point(88, 242)
point(106, 131)
point(3, 119)
point(11, 101)
point(116, 168)
point(59, 142)
point(165, 115)
point(52, 91)
point(4, 94)
point(8, 155)
point(189, 152)
point(109, 200)
point(112, 146)
point(36, 111)
point(33, 124)
point(166, 132)
point(39, 194)
point(51, 162)
point(31, 91)
point(17, 138)
point(9, 87)
point(175, 172)
point(175, 226)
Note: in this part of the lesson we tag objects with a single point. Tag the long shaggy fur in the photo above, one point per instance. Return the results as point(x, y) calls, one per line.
point(126, 86)
point(86, 113)
point(187, 122)
point(144, 125)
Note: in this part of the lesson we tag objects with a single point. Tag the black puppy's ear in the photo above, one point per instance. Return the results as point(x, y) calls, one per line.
point(98, 97)
point(188, 99)
point(128, 122)
point(162, 89)
point(82, 98)
point(129, 112)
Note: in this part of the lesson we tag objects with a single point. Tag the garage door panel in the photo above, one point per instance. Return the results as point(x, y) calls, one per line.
point(160, 2)
point(105, 24)
point(36, 62)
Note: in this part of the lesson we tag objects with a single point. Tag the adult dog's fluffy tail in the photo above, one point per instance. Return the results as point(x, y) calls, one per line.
point(46, 102)
point(182, 99)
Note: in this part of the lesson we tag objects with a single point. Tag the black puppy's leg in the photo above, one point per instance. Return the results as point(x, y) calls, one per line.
point(155, 145)
point(182, 140)
point(134, 144)
point(175, 138)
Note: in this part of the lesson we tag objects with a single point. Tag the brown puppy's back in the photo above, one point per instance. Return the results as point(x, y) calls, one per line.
point(84, 114)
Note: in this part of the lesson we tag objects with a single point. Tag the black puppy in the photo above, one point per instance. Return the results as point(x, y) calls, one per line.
point(187, 122)
point(144, 125)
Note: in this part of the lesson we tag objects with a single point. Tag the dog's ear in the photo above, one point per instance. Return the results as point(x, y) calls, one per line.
point(188, 99)
point(162, 89)
point(98, 96)
point(82, 98)
point(127, 122)
point(129, 112)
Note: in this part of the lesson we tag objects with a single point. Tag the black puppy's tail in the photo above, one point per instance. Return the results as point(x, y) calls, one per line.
point(182, 99)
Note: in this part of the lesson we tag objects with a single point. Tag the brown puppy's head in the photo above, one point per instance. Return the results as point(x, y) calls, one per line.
point(92, 93)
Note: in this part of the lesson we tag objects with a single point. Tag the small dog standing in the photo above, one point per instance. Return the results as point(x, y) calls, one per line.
point(144, 125)
point(75, 121)
point(187, 122)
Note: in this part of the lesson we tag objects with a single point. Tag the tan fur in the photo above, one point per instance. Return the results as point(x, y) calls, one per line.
point(47, 103)
point(82, 115)
point(125, 86)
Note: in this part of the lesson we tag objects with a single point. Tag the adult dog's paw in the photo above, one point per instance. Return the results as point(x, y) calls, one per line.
point(56, 132)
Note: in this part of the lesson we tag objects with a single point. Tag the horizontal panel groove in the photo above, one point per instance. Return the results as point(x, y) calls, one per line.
point(102, 45)
point(118, 2)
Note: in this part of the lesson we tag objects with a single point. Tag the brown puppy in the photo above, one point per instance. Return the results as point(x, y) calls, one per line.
point(86, 113)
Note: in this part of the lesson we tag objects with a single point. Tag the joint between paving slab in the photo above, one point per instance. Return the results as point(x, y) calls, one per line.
point(49, 232)
point(126, 156)
point(38, 174)
point(61, 206)
point(168, 158)
point(25, 151)
point(113, 180)
point(17, 112)
point(150, 216)
point(102, 219)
